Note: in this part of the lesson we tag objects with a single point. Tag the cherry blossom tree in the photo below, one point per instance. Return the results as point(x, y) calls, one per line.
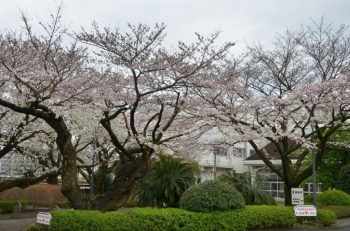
point(136, 89)
point(147, 92)
point(16, 132)
point(277, 94)
point(41, 77)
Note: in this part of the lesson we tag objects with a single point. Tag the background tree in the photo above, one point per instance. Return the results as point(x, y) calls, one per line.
point(337, 156)
point(344, 182)
point(39, 77)
point(277, 93)
point(18, 134)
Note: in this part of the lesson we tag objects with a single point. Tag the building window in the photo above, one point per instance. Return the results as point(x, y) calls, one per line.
point(220, 152)
point(272, 183)
point(239, 152)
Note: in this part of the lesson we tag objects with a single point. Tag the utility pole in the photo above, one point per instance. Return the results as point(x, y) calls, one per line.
point(92, 177)
point(313, 124)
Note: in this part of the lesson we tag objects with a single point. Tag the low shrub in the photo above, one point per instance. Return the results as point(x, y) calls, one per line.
point(37, 227)
point(333, 197)
point(211, 195)
point(326, 217)
point(272, 201)
point(12, 194)
point(174, 219)
point(7, 206)
point(36, 195)
point(62, 204)
point(340, 210)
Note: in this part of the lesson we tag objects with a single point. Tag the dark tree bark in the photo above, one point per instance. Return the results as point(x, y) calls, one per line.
point(122, 185)
point(25, 182)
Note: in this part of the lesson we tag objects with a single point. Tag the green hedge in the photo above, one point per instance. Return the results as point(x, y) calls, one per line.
point(174, 219)
point(340, 210)
point(6, 206)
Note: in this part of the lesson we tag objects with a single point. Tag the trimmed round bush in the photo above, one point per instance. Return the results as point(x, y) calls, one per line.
point(333, 197)
point(210, 196)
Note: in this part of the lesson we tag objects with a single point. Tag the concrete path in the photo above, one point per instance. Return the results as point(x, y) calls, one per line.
point(16, 224)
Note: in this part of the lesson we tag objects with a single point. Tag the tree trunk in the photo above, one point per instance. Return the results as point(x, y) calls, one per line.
point(99, 180)
point(70, 187)
point(122, 185)
point(287, 195)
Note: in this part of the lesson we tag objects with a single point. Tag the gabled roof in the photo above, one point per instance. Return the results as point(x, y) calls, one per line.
point(271, 150)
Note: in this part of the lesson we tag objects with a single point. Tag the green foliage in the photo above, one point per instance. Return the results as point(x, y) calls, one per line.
point(308, 199)
point(7, 206)
point(335, 158)
point(272, 201)
point(344, 179)
point(131, 202)
point(333, 197)
point(340, 210)
point(250, 188)
point(29, 173)
point(37, 227)
point(107, 180)
point(62, 204)
point(326, 217)
point(165, 182)
point(173, 219)
point(210, 196)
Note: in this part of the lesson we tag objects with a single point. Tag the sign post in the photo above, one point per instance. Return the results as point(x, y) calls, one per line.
point(297, 196)
point(305, 211)
point(43, 218)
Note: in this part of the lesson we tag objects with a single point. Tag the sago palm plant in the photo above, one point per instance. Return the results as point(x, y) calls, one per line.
point(251, 189)
point(165, 182)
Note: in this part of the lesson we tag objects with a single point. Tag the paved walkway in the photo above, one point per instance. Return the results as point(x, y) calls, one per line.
point(16, 224)
point(343, 222)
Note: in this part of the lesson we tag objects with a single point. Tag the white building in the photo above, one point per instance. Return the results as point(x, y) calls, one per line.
point(220, 157)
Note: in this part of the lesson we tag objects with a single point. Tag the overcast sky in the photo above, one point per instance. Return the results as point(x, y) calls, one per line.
point(239, 20)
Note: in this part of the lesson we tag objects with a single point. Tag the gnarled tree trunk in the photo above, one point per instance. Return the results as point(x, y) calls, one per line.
point(122, 185)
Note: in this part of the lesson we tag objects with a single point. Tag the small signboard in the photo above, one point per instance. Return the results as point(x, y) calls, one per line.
point(43, 218)
point(297, 196)
point(305, 211)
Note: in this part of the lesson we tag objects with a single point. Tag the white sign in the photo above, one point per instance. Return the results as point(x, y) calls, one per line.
point(305, 211)
point(297, 196)
point(43, 218)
